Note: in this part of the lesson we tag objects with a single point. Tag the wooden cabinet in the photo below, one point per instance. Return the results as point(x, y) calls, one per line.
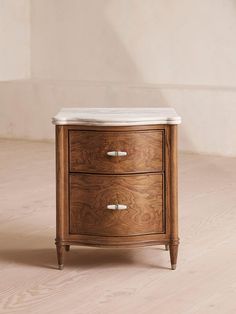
point(116, 185)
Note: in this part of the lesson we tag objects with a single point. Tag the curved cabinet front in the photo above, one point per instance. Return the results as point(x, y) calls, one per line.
point(116, 152)
point(111, 205)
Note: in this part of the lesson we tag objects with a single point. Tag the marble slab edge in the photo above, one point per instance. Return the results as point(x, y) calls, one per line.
point(116, 116)
point(117, 123)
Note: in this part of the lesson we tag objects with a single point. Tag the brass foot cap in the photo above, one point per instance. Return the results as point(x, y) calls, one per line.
point(60, 267)
point(173, 267)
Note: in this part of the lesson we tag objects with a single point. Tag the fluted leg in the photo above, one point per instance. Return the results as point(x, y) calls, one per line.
point(67, 248)
point(173, 255)
point(60, 256)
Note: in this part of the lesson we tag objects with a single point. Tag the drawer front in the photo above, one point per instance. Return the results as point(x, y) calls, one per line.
point(113, 205)
point(97, 151)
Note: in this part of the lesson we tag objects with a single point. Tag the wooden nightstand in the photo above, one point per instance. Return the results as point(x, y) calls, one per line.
point(116, 172)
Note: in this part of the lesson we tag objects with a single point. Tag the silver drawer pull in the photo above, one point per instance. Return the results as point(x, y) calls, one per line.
point(117, 153)
point(117, 207)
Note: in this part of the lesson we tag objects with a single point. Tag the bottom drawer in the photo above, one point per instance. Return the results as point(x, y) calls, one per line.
point(116, 205)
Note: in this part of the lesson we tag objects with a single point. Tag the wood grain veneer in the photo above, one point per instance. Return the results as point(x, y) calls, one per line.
point(88, 151)
point(90, 195)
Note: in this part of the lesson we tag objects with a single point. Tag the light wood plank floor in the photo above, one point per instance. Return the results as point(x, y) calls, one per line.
point(127, 281)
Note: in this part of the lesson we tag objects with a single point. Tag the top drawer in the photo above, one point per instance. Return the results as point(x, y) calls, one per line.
point(99, 151)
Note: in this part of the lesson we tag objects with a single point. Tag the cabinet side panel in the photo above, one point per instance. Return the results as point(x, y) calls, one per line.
point(166, 151)
point(61, 183)
point(173, 185)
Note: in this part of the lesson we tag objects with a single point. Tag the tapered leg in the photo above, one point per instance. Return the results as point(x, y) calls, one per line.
point(173, 255)
point(60, 256)
point(67, 248)
point(167, 247)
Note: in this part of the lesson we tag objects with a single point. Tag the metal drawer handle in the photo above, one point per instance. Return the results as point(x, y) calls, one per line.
point(117, 153)
point(117, 207)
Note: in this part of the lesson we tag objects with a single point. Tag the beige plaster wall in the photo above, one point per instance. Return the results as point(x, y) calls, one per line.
point(152, 42)
point(130, 53)
point(14, 39)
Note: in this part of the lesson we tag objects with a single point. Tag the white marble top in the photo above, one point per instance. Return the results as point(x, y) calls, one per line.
point(116, 116)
